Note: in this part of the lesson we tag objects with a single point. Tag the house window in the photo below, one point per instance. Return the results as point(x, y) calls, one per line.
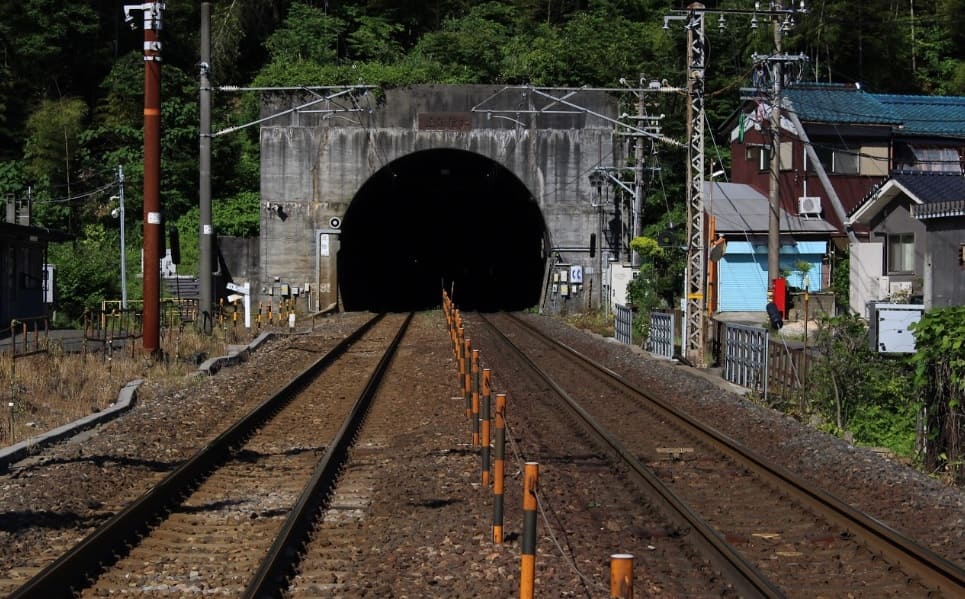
point(838, 160)
point(937, 159)
point(759, 155)
point(901, 253)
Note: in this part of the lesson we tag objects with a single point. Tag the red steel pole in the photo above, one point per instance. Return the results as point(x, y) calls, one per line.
point(152, 172)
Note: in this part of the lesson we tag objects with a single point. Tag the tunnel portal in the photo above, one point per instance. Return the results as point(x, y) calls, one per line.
point(442, 218)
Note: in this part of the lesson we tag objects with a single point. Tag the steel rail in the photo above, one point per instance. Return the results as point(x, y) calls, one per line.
point(277, 566)
point(747, 580)
point(75, 569)
point(931, 569)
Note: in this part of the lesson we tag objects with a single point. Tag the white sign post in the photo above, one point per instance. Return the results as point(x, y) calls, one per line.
point(245, 293)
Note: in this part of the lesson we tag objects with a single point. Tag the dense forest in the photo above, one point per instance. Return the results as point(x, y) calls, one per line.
point(71, 84)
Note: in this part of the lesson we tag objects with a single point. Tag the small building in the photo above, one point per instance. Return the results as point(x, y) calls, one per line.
point(741, 216)
point(916, 250)
point(26, 283)
point(875, 153)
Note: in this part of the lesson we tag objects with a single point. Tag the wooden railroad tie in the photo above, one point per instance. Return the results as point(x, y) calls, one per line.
point(675, 453)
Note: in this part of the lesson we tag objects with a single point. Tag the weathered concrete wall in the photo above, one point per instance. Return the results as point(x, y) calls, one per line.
point(312, 167)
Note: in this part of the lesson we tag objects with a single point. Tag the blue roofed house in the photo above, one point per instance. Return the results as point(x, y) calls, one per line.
point(861, 140)
point(915, 249)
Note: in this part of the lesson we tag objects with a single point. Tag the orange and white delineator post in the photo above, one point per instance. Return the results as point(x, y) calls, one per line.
point(621, 576)
point(474, 395)
point(467, 375)
point(527, 563)
point(485, 409)
point(499, 468)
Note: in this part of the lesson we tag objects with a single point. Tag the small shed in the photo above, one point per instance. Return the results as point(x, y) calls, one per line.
point(741, 216)
point(25, 284)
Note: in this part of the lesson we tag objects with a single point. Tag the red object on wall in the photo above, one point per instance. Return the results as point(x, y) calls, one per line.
point(780, 296)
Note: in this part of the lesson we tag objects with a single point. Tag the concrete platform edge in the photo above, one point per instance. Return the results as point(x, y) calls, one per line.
point(236, 355)
point(125, 401)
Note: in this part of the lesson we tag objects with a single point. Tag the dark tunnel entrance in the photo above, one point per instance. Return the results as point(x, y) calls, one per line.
point(439, 219)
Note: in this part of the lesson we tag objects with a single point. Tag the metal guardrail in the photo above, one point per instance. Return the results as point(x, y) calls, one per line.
point(661, 341)
point(745, 356)
point(623, 324)
point(26, 336)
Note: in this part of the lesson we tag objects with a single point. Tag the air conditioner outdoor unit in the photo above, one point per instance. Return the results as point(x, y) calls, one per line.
point(809, 205)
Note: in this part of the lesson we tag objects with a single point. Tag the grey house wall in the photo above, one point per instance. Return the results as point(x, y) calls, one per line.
point(947, 280)
point(312, 167)
point(895, 219)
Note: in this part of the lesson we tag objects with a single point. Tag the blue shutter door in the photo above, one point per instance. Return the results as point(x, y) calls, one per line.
point(742, 283)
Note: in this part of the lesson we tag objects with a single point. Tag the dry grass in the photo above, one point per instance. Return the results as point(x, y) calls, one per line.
point(47, 389)
point(595, 322)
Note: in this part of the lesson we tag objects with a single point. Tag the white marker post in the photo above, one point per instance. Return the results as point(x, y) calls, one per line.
point(245, 292)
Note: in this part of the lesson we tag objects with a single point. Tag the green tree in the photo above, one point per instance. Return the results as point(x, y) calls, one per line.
point(50, 50)
point(86, 272)
point(855, 388)
point(50, 154)
point(307, 35)
point(940, 379)
point(470, 47)
point(643, 292)
point(237, 216)
point(373, 38)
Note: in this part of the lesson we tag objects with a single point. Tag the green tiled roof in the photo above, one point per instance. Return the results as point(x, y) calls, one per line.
point(839, 103)
point(927, 115)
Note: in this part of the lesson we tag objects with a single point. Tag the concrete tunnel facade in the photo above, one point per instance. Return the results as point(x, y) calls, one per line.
point(380, 206)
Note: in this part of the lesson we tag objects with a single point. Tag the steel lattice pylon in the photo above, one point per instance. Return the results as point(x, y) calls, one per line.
point(696, 262)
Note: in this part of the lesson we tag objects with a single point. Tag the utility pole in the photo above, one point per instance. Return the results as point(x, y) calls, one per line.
point(120, 216)
point(775, 65)
point(695, 283)
point(152, 169)
point(637, 187)
point(774, 195)
point(696, 256)
point(206, 232)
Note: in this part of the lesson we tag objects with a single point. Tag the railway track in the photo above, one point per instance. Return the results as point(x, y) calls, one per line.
point(769, 533)
point(230, 519)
